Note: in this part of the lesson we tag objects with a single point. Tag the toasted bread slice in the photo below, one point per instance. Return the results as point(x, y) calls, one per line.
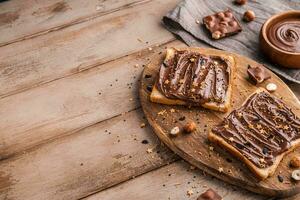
point(260, 172)
point(158, 97)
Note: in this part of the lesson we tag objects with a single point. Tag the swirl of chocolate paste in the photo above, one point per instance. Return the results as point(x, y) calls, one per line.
point(286, 35)
point(263, 128)
point(194, 78)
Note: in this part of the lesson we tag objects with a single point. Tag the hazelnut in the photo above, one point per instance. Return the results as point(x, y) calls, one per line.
point(295, 162)
point(249, 16)
point(209, 194)
point(189, 127)
point(296, 175)
point(221, 15)
point(240, 2)
point(175, 131)
point(271, 87)
point(216, 35)
point(232, 23)
point(228, 14)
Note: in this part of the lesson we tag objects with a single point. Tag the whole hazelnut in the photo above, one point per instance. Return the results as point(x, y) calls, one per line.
point(295, 162)
point(189, 127)
point(216, 35)
point(240, 2)
point(249, 16)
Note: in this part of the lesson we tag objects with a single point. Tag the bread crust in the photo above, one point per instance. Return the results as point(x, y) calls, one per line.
point(260, 173)
point(157, 97)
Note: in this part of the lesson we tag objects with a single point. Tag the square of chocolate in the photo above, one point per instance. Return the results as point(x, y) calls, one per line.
point(222, 24)
point(257, 74)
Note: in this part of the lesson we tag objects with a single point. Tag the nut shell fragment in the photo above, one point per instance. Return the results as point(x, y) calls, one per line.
point(175, 131)
point(296, 175)
point(271, 87)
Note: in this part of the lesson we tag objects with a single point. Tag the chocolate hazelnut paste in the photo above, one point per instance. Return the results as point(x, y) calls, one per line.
point(263, 128)
point(286, 35)
point(194, 78)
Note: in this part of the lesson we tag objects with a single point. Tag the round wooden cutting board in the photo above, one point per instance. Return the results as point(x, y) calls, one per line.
point(195, 147)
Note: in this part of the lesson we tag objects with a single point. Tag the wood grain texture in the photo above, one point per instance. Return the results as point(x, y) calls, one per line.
point(58, 54)
point(90, 160)
point(195, 147)
point(21, 20)
point(66, 105)
point(173, 182)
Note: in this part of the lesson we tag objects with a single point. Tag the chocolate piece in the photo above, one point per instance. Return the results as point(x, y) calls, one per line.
point(222, 24)
point(263, 122)
point(257, 74)
point(280, 178)
point(285, 35)
point(209, 194)
point(149, 88)
point(194, 78)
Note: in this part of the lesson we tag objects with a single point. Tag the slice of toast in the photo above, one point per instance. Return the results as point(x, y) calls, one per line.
point(261, 169)
point(158, 97)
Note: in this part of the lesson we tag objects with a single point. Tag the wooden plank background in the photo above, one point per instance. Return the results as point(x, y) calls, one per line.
point(70, 114)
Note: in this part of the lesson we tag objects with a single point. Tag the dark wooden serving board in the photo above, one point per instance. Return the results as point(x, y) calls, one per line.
point(195, 147)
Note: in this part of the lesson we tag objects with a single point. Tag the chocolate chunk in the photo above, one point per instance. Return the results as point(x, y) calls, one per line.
point(209, 194)
point(222, 24)
point(257, 74)
point(149, 88)
point(148, 76)
point(239, 146)
point(280, 178)
point(265, 150)
point(145, 142)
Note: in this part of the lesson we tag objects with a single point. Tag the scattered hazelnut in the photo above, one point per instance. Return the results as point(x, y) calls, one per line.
point(271, 87)
point(240, 2)
point(216, 35)
point(189, 127)
point(295, 162)
point(175, 131)
point(249, 16)
point(209, 194)
point(296, 175)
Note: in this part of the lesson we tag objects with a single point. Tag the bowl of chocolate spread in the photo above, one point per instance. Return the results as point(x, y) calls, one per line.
point(280, 39)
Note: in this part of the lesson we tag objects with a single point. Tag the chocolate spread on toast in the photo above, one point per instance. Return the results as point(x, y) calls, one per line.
point(263, 128)
point(194, 78)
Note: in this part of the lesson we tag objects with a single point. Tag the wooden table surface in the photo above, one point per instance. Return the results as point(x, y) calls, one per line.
point(71, 119)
